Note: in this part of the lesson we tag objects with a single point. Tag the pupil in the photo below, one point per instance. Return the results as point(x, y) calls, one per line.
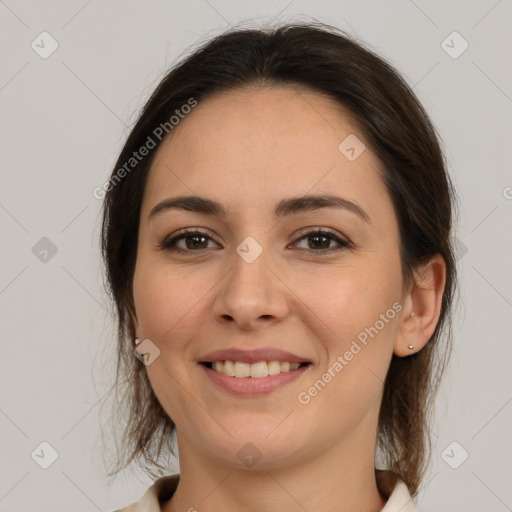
point(324, 238)
point(193, 244)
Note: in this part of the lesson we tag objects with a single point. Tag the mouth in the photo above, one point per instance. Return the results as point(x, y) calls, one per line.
point(256, 379)
point(256, 370)
point(253, 373)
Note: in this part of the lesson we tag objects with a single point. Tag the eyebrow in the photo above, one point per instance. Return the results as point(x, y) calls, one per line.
point(283, 208)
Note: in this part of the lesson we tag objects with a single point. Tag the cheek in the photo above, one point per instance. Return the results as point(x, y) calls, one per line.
point(163, 299)
point(172, 304)
point(348, 299)
point(164, 302)
point(357, 312)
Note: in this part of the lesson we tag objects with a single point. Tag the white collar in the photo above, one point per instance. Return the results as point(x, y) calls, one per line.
point(400, 500)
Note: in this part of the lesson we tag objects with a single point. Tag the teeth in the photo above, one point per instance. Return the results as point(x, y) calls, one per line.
point(273, 367)
point(255, 370)
point(229, 368)
point(241, 369)
point(258, 370)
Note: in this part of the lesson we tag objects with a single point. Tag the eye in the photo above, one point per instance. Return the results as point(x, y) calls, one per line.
point(319, 240)
point(193, 239)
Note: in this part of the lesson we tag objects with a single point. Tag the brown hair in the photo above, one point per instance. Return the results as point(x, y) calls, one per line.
point(325, 60)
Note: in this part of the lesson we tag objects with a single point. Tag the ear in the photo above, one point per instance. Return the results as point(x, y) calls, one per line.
point(422, 307)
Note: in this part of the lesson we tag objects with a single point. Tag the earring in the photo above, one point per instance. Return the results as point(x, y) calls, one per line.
point(137, 341)
point(412, 314)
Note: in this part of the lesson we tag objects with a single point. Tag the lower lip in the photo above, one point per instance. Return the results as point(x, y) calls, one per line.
point(251, 386)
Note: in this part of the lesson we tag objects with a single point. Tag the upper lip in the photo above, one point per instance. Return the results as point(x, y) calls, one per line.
point(252, 356)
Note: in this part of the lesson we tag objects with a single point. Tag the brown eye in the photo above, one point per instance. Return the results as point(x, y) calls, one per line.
point(320, 241)
point(193, 240)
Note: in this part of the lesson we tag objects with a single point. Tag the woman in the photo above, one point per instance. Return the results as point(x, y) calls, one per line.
point(276, 235)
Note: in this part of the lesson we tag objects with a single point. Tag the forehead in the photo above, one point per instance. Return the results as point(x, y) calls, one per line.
point(279, 119)
point(255, 143)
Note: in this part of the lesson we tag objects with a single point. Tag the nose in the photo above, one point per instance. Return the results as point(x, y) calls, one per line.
point(251, 295)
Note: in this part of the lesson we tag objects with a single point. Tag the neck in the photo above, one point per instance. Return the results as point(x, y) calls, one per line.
point(342, 478)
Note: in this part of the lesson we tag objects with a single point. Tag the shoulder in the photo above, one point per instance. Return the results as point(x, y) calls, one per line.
point(161, 490)
point(394, 490)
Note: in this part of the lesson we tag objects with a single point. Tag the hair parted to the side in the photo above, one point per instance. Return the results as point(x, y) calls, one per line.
point(325, 60)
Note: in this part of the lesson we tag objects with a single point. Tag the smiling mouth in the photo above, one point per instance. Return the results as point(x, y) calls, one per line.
point(258, 370)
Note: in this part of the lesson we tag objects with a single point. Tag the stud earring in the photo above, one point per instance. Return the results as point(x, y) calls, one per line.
point(137, 341)
point(412, 314)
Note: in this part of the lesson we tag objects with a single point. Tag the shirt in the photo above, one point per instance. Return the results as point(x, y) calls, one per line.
point(390, 486)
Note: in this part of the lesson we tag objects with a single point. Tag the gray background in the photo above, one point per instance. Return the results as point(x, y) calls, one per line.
point(63, 121)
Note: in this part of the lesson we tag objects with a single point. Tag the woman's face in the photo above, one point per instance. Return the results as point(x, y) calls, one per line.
point(258, 277)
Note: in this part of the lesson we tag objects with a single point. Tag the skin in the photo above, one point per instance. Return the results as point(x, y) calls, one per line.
point(248, 150)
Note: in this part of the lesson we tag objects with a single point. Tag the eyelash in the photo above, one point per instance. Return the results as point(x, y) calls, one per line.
point(167, 243)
